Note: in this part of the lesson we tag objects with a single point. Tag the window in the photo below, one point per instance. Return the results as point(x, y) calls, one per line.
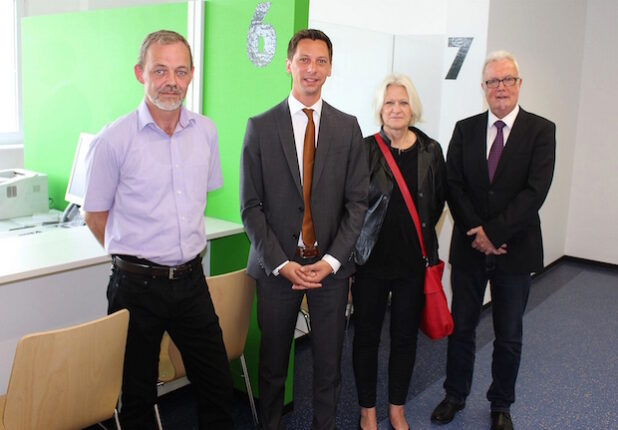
point(10, 118)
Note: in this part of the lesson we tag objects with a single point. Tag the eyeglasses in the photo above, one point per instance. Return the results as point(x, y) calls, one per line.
point(509, 81)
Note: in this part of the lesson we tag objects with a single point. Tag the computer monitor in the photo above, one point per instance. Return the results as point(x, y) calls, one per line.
point(77, 181)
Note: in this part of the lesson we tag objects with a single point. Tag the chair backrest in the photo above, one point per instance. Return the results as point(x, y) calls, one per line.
point(232, 296)
point(171, 366)
point(68, 378)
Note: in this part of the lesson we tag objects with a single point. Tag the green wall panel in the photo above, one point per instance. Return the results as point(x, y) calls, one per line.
point(250, 89)
point(77, 74)
point(228, 254)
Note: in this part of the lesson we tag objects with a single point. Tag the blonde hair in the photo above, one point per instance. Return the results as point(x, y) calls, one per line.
point(400, 80)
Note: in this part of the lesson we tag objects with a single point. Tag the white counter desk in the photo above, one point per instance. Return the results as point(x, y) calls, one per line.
point(57, 278)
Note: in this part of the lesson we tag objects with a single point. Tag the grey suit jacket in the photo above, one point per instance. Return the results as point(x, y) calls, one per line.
point(271, 200)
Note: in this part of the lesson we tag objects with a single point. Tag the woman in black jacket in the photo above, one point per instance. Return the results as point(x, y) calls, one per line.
point(388, 252)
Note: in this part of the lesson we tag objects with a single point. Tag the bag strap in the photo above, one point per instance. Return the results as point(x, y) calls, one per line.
point(405, 192)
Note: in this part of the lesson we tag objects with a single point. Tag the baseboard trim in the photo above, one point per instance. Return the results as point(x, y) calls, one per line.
point(550, 266)
point(570, 258)
point(563, 259)
point(591, 262)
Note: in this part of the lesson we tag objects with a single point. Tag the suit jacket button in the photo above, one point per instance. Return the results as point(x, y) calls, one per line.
point(423, 224)
point(420, 194)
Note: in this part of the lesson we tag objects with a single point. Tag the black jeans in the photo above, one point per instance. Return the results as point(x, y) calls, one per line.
point(184, 308)
point(509, 296)
point(370, 297)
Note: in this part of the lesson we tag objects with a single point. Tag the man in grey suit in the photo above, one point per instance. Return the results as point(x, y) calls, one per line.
point(499, 168)
point(303, 194)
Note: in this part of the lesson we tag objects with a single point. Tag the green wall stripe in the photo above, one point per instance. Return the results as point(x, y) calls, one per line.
point(250, 90)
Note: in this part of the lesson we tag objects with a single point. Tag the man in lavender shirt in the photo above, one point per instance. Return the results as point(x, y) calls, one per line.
point(148, 176)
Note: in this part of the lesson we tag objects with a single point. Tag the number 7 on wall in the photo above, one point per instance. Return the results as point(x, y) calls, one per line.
point(463, 43)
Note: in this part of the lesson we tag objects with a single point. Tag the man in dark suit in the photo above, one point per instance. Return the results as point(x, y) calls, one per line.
point(303, 193)
point(499, 168)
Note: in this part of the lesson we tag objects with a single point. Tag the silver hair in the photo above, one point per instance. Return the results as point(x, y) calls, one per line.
point(498, 56)
point(400, 80)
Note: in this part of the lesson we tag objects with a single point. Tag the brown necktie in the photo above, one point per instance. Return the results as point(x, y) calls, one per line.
point(308, 158)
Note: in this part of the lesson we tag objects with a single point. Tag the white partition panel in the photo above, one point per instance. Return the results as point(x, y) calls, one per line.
point(361, 59)
point(421, 58)
point(440, 44)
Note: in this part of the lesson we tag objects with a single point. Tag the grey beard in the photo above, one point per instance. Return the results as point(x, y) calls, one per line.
point(165, 106)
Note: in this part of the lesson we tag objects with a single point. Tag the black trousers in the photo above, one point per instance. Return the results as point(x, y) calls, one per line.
point(509, 296)
point(184, 308)
point(370, 296)
point(278, 306)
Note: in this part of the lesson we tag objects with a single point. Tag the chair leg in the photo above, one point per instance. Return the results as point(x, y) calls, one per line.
point(349, 309)
point(117, 420)
point(307, 320)
point(158, 417)
point(245, 375)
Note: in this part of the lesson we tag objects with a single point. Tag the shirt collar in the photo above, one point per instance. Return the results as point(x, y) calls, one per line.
point(296, 106)
point(508, 119)
point(144, 116)
point(185, 118)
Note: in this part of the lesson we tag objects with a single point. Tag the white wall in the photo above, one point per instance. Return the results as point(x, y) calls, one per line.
point(43, 7)
point(547, 37)
point(387, 16)
point(592, 231)
point(568, 66)
point(568, 57)
point(11, 156)
point(408, 37)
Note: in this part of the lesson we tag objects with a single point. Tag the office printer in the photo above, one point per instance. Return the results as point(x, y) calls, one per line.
point(22, 193)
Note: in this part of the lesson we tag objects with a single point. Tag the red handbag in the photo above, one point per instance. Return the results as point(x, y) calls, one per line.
point(436, 319)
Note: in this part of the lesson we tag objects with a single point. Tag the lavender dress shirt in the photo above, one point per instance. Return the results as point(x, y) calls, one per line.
point(154, 185)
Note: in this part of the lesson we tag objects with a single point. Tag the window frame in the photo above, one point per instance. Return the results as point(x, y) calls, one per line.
point(16, 138)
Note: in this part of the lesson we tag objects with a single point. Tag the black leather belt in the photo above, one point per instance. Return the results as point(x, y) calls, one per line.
point(307, 252)
point(155, 270)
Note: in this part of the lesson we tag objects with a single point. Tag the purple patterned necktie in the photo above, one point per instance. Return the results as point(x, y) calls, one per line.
point(496, 150)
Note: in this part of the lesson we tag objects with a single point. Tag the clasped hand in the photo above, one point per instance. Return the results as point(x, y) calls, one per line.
point(306, 277)
point(482, 243)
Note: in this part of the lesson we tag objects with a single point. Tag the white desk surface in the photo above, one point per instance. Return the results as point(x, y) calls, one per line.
point(60, 249)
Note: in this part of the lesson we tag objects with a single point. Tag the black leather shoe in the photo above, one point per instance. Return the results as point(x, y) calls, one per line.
point(501, 421)
point(445, 411)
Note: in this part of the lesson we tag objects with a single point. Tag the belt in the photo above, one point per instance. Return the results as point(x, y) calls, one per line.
point(307, 252)
point(156, 271)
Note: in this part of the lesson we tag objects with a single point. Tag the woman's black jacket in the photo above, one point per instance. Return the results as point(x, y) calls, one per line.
point(430, 198)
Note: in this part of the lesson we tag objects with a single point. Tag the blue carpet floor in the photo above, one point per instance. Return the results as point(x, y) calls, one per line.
point(568, 377)
point(569, 368)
